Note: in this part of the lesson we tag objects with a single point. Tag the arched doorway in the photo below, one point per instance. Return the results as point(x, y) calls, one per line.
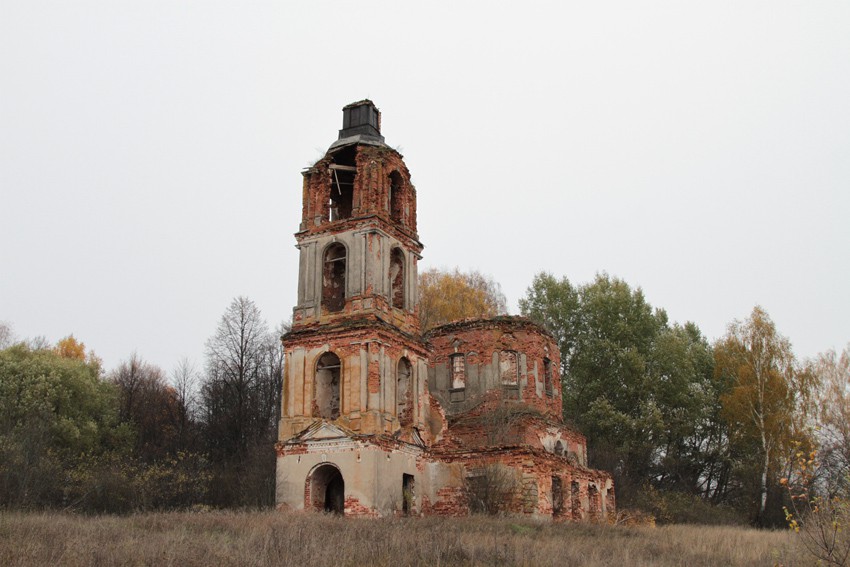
point(326, 490)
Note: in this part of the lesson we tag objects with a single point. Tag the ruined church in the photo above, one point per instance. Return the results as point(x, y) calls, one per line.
point(379, 419)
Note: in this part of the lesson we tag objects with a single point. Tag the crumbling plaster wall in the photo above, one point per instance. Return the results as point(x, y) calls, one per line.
point(373, 475)
point(372, 187)
point(368, 400)
point(367, 276)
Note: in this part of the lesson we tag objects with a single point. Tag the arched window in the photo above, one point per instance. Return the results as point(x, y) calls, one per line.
point(343, 171)
point(508, 367)
point(547, 377)
point(403, 393)
point(397, 278)
point(457, 363)
point(396, 197)
point(333, 278)
point(575, 500)
point(326, 387)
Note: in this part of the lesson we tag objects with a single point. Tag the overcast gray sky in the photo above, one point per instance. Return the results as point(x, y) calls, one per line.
point(150, 154)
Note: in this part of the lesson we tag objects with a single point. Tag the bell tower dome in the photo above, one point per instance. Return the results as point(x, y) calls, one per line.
point(355, 355)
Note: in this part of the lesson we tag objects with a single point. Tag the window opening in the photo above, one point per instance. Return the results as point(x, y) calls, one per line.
point(397, 278)
point(575, 500)
point(593, 501)
point(458, 367)
point(404, 407)
point(341, 198)
point(326, 395)
point(508, 367)
point(559, 448)
point(547, 377)
point(408, 494)
point(333, 278)
point(557, 496)
point(396, 197)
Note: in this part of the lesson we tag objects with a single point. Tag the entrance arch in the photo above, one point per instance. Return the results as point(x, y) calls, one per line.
point(326, 489)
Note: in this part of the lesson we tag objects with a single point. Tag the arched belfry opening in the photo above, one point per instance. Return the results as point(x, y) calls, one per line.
point(333, 277)
point(404, 395)
point(326, 490)
point(397, 278)
point(396, 197)
point(326, 387)
point(343, 170)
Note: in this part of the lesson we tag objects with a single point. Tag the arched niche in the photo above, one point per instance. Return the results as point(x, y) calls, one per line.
point(397, 198)
point(404, 394)
point(333, 277)
point(397, 278)
point(326, 386)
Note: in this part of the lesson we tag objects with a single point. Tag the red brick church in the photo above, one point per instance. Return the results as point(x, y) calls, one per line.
point(379, 419)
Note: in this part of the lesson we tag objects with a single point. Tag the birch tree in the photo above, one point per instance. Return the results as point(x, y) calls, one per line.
point(760, 403)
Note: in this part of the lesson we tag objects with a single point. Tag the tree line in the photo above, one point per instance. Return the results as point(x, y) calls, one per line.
point(76, 437)
point(692, 429)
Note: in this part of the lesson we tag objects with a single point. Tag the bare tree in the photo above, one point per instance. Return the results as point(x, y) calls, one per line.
point(184, 380)
point(239, 404)
point(834, 418)
point(7, 337)
point(491, 489)
point(151, 405)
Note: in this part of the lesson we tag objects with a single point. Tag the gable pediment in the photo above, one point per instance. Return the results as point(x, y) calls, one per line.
point(323, 431)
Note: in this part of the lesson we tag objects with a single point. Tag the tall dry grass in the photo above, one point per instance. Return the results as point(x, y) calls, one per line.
point(272, 538)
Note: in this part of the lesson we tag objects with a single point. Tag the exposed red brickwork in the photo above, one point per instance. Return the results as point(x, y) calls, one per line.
point(372, 184)
point(520, 350)
point(353, 507)
point(468, 416)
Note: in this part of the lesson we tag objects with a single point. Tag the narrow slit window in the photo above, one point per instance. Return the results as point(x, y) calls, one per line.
point(396, 197)
point(557, 496)
point(397, 278)
point(404, 406)
point(547, 377)
point(333, 278)
point(458, 367)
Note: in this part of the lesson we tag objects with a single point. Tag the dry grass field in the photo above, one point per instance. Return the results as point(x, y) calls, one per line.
point(269, 538)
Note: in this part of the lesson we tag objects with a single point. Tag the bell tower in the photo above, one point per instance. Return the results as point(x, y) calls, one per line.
point(354, 356)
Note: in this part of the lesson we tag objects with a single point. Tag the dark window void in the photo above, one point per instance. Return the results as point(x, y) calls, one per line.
point(333, 278)
point(594, 503)
point(403, 393)
point(327, 490)
point(343, 172)
point(508, 367)
point(342, 195)
point(557, 496)
point(396, 197)
point(397, 278)
point(458, 368)
point(326, 394)
point(575, 500)
point(559, 448)
point(408, 495)
point(547, 377)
